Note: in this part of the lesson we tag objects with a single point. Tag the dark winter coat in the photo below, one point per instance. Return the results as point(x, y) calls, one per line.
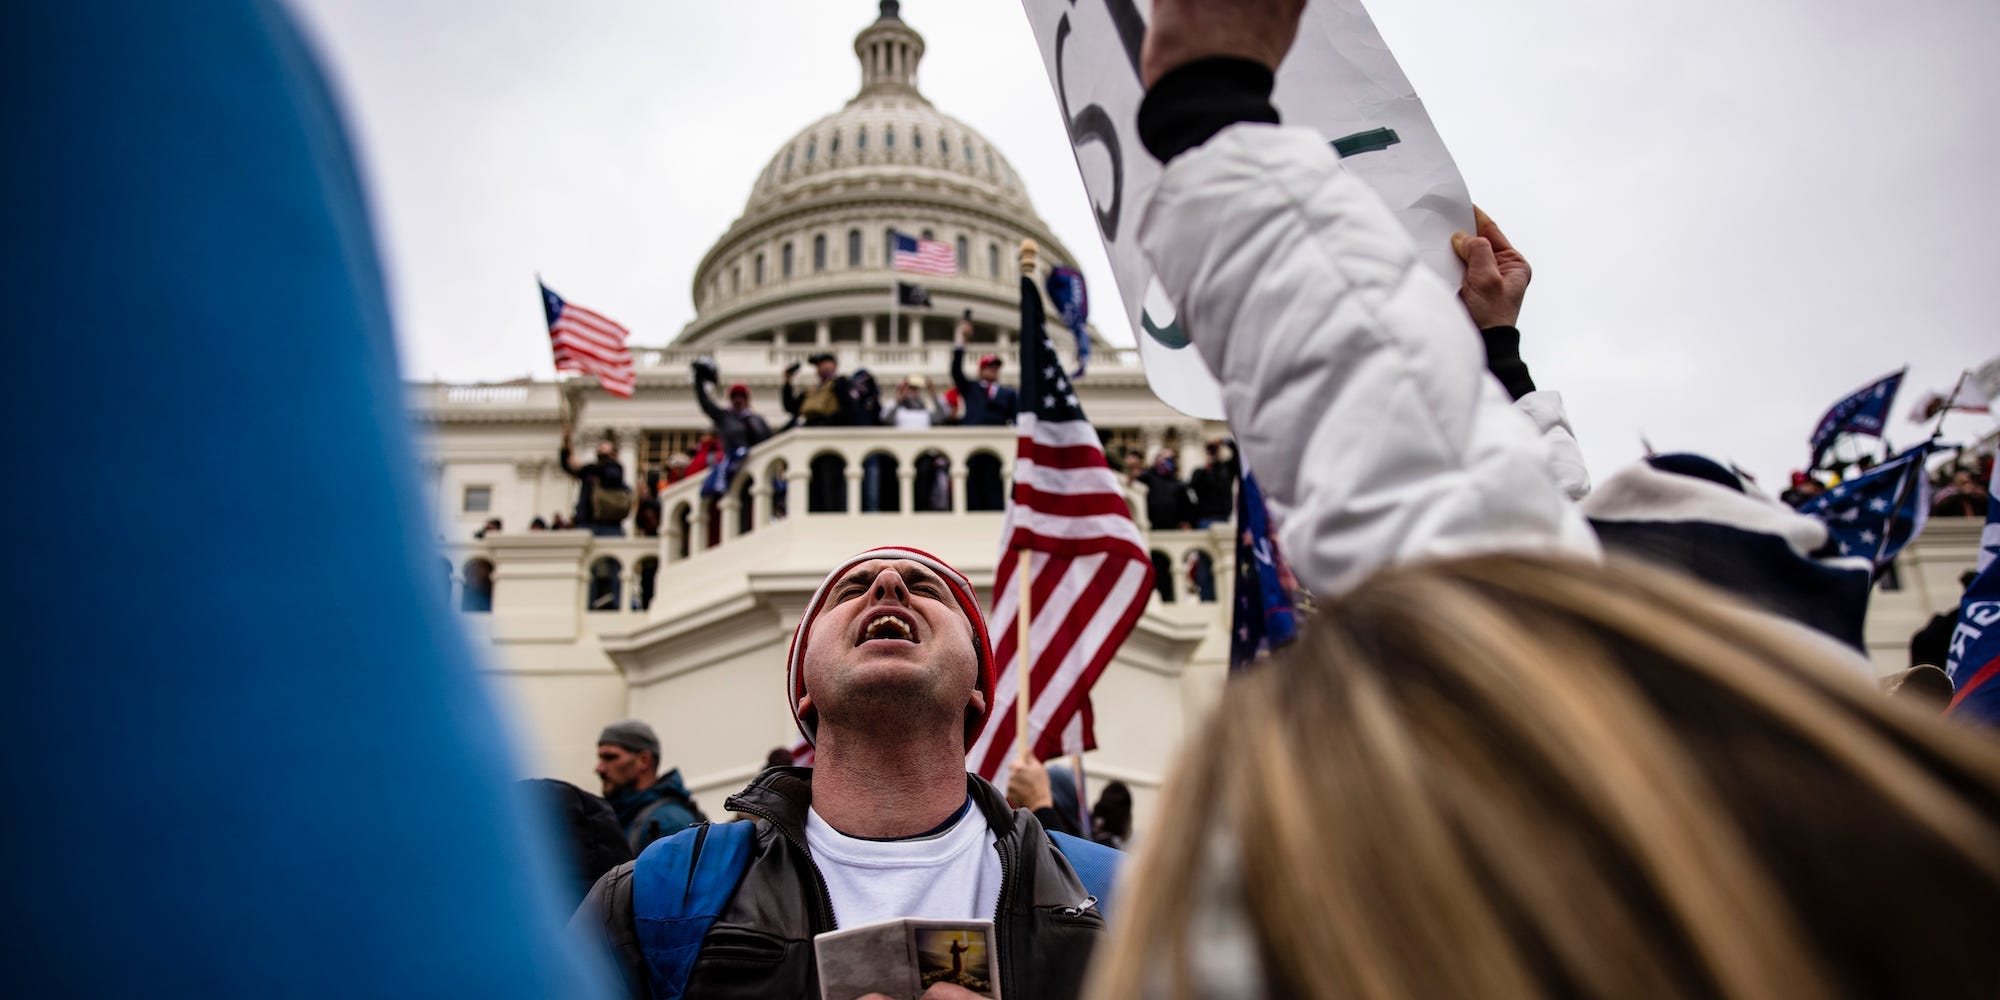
point(980, 409)
point(1168, 503)
point(661, 809)
point(607, 473)
point(761, 946)
point(1214, 487)
point(735, 430)
point(591, 839)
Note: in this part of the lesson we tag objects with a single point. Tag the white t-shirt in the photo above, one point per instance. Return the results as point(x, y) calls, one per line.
point(952, 876)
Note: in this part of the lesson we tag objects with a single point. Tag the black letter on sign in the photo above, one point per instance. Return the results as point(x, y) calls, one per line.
point(1094, 124)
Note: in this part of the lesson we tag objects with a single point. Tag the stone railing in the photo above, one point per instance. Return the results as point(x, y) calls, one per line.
point(826, 474)
point(799, 501)
point(933, 360)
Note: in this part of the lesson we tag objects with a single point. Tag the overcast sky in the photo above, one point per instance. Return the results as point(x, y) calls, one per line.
point(1736, 212)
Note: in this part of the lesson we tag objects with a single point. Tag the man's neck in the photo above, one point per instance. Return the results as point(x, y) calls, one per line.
point(865, 788)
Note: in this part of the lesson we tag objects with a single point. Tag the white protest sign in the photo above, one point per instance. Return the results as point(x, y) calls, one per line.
point(1340, 78)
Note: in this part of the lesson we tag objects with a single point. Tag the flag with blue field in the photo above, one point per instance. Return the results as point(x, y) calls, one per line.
point(1975, 644)
point(1874, 515)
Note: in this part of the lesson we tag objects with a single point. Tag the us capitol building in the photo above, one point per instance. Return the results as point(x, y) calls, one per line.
point(688, 630)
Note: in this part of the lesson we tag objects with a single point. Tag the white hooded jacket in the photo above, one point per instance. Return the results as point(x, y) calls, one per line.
point(1352, 377)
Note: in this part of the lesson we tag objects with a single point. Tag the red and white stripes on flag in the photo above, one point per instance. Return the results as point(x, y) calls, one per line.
point(1089, 569)
point(589, 343)
point(924, 256)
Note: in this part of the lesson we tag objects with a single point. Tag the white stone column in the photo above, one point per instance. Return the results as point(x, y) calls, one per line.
point(868, 330)
point(854, 473)
point(914, 335)
point(958, 486)
point(538, 584)
point(823, 333)
point(906, 478)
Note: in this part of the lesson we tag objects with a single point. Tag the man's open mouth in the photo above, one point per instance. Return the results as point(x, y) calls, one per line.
point(889, 625)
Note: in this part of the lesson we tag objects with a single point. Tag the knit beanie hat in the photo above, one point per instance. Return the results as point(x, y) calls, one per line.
point(961, 591)
point(633, 735)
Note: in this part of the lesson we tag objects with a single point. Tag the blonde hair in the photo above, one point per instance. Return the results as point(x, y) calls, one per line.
point(1511, 776)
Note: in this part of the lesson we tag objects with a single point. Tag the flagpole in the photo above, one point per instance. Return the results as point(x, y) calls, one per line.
point(1082, 795)
point(1949, 401)
point(1022, 574)
point(1896, 507)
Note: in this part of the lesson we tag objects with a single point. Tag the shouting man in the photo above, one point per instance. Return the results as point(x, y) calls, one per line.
point(890, 677)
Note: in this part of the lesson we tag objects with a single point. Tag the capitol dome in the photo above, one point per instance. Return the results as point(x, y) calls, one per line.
point(808, 261)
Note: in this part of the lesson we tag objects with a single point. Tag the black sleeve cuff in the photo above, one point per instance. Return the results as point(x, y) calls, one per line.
point(1503, 359)
point(1189, 105)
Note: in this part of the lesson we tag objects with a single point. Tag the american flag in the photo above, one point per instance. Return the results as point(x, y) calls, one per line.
point(587, 342)
point(1090, 570)
point(925, 256)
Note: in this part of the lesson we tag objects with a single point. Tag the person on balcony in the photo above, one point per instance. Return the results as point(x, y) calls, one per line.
point(650, 805)
point(1214, 486)
point(739, 428)
point(987, 402)
point(890, 677)
point(828, 404)
point(602, 500)
point(1169, 505)
point(916, 406)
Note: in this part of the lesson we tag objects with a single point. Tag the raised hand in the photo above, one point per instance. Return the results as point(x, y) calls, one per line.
point(1496, 274)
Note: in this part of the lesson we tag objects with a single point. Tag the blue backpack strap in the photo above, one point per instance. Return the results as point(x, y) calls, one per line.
point(679, 886)
point(1094, 863)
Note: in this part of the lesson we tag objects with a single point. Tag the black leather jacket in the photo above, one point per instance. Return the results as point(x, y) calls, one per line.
point(761, 946)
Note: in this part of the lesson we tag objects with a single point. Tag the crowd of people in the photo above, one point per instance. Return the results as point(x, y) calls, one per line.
point(1958, 487)
point(1540, 737)
point(1518, 682)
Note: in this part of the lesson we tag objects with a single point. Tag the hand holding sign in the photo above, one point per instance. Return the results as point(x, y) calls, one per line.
point(1337, 76)
point(1496, 274)
point(1184, 31)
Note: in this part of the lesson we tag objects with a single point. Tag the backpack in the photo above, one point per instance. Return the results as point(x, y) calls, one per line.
point(609, 505)
point(681, 884)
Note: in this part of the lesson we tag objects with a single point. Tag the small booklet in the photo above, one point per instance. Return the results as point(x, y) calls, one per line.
point(902, 958)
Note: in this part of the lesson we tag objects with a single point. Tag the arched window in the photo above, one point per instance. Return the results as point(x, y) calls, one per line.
point(888, 246)
point(785, 265)
point(861, 139)
point(788, 161)
point(929, 235)
point(968, 153)
point(964, 251)
point(889, 137)
point(916, 140)
point(812, 149)
point(944, 144)
point(604, 584)
point(819, 253)
point(993, 259)
point(854, 248)
point(758, 270)
point(735, 279)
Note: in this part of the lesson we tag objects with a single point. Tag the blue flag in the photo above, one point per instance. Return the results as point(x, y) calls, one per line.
point(1874, 515)
point(1975, 644)
point(1072, 299)
point(1866, 411)
point(1264, 618)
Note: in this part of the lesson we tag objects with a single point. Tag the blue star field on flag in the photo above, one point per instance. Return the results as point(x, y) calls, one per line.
point(1264, 617)
point(1874, 515)
point(1866, 411)
point(1974, 664)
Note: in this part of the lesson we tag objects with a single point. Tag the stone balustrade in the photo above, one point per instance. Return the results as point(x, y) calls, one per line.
point(841, 487)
